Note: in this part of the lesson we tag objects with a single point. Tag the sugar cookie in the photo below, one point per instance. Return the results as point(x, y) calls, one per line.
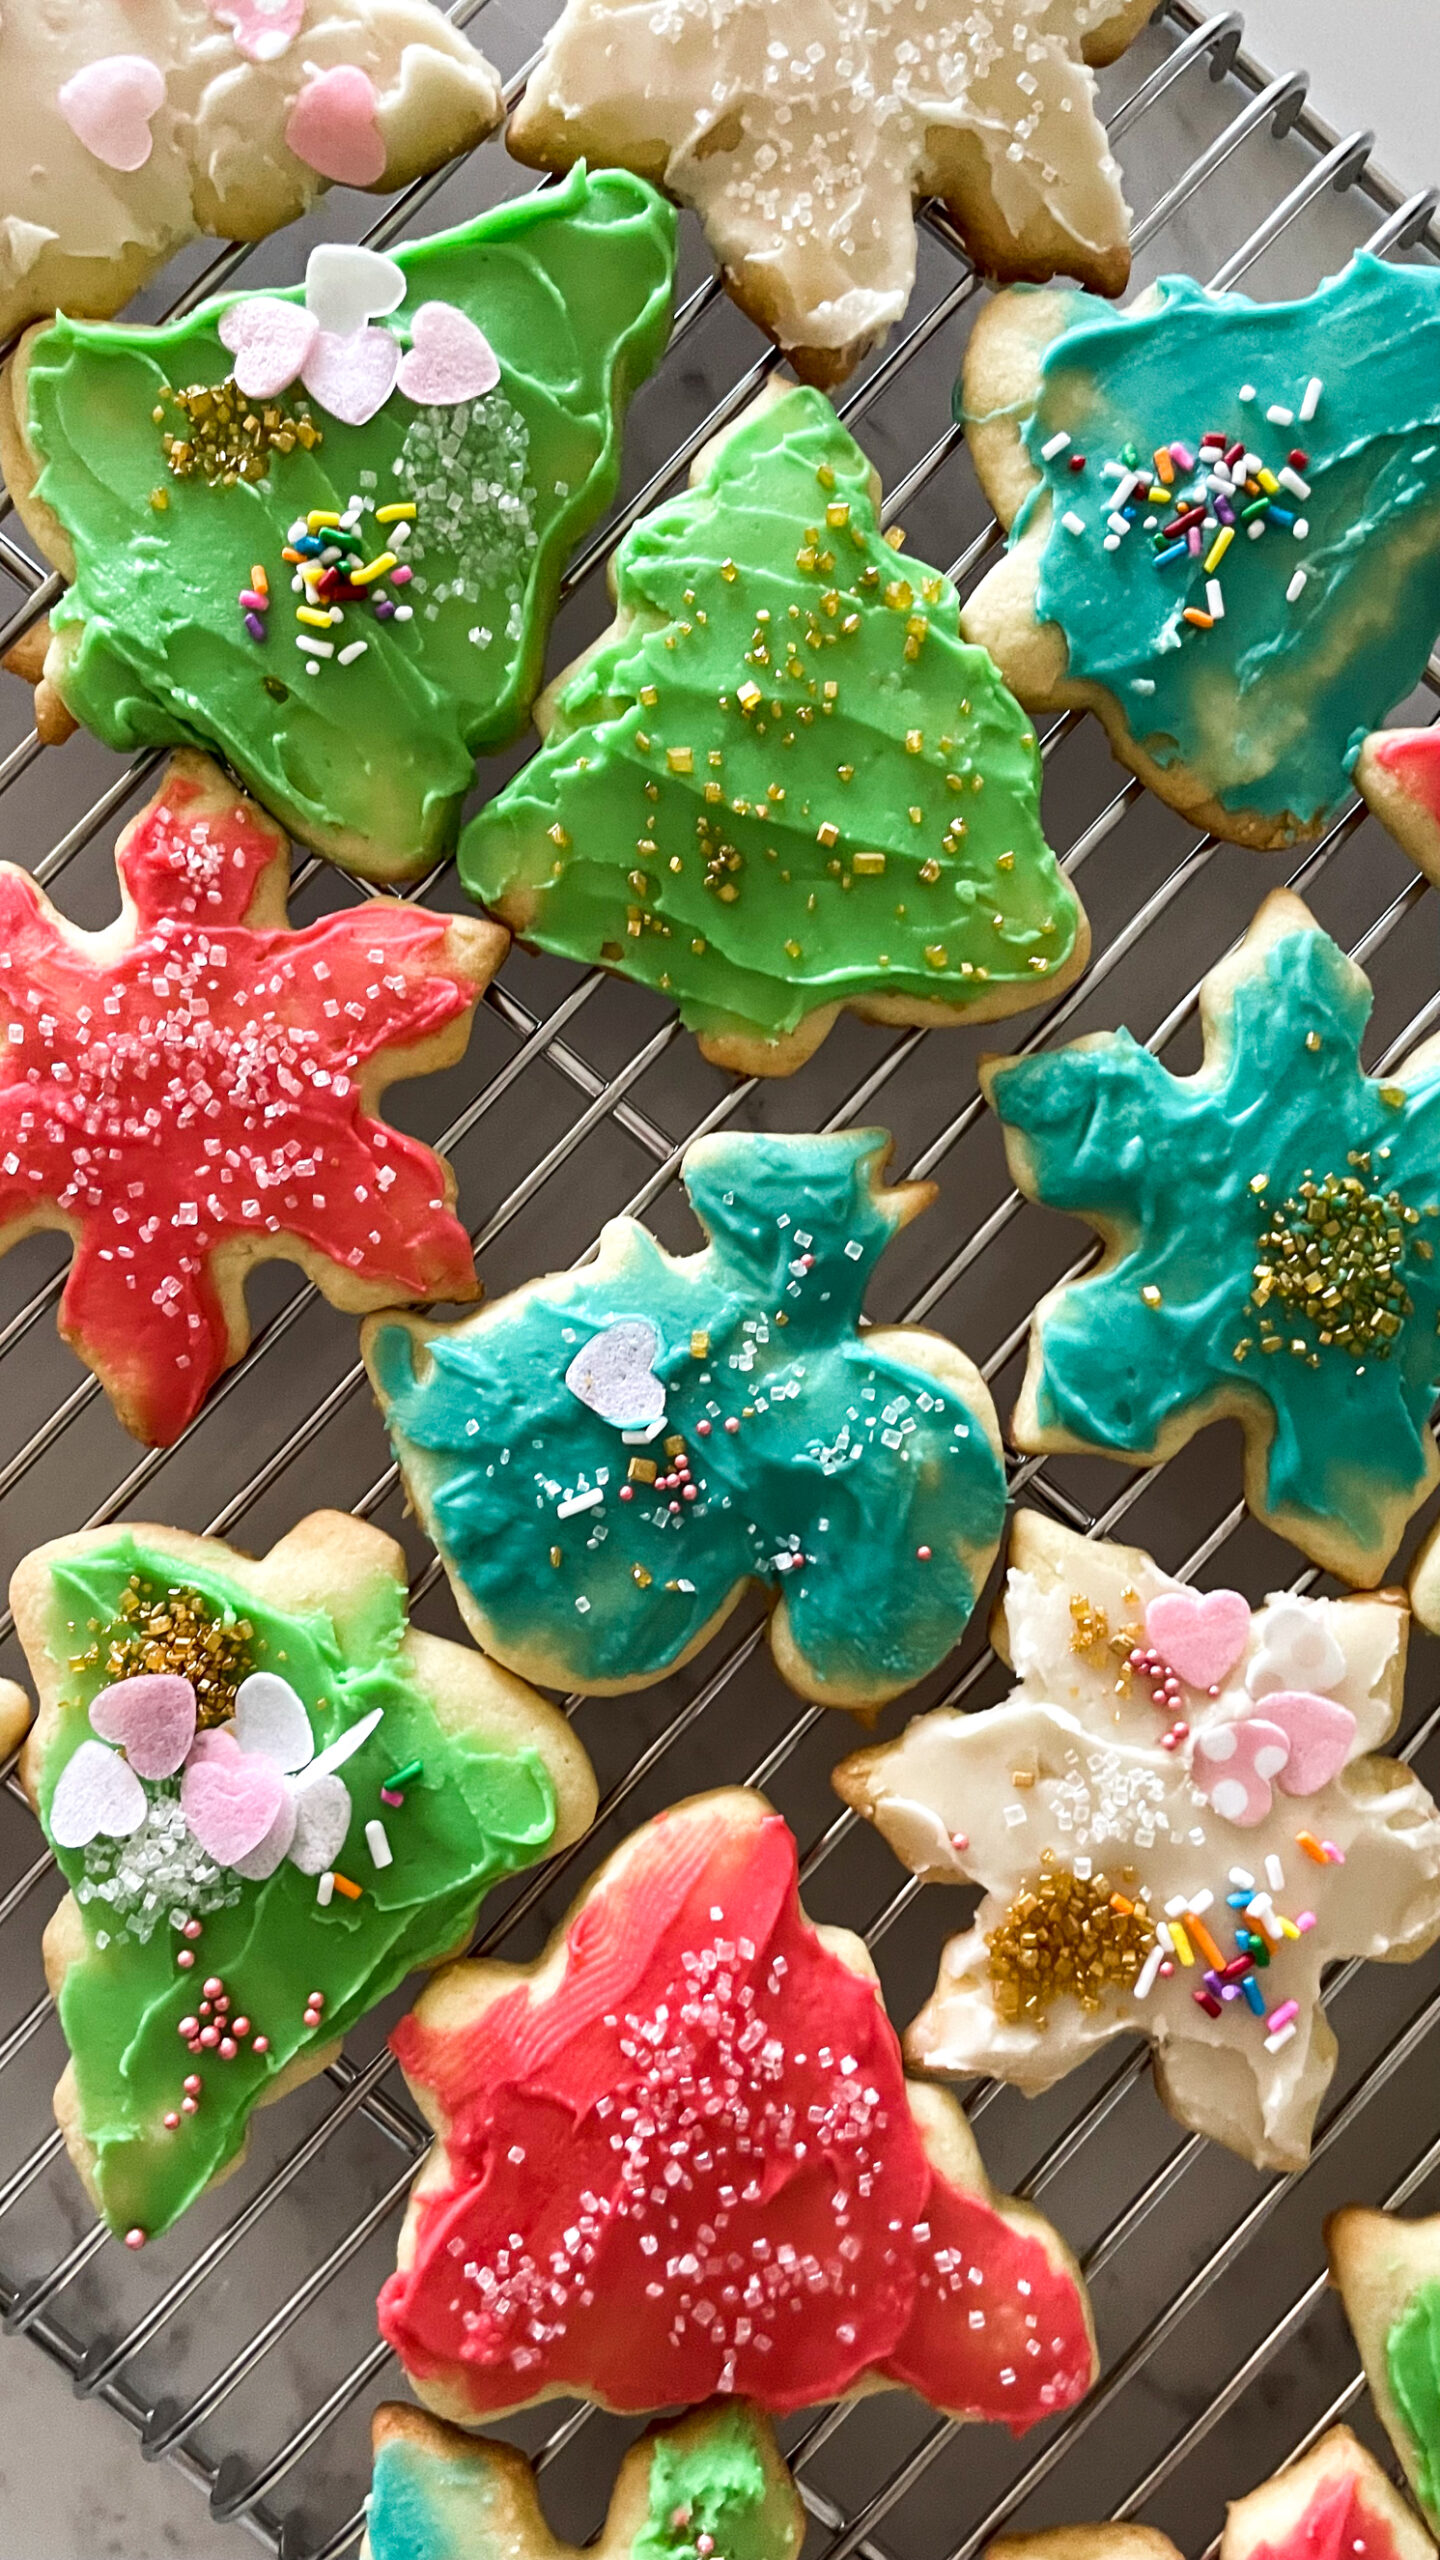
point(323, 530)
point(780, 783)
point(235, 1904)
point(128, 131)
point(1398, 772)
point(682, 1426)
point(712, 2482)
point(1225, 527)
point(196, 1088)
point(1335, 2499)
point(1178, 1816)
point(1388, 2274)
point(803, 141)
point(1269, 1232)
point(685, 2125)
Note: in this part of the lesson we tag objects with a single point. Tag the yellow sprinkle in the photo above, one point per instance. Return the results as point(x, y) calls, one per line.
point(868, 866)
point(372, 570)
point(1268, 483)
point(393, 514)
point(318, 621)
point(1259, 1182)
point(680, 759)
point(1219, 547)
point(319, 516)
point(699, 1346)
point(557, 1556)
point(1180, 1943)
point(1394, 1094)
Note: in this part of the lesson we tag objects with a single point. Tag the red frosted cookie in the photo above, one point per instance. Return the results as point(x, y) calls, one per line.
point(1398, 772)
point(194, 1089)
point(680, 2156)
point(1335, 2504)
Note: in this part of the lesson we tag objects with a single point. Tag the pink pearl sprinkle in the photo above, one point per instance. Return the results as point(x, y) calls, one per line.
point(221, 2006)
point(228, 2048)
point(924, 1554)
point(691, 1494)
point(311, 2018)
point(702, 1430)
point(627, 1493)
point(188, 2027)
point(172, 2121)
point(214, 1987)
point(314, 1999)
point(193, 2084)
point(704, 2544)
point(674, 1506)
point(261, 2044)
point(135, 2239)
point(732, 1424)
point(192, 1928)
point(185, 1959)
point(209, 2036)
point(194, 2044)
point(187, 2106)
point(959, 1839)
point(240, 2026)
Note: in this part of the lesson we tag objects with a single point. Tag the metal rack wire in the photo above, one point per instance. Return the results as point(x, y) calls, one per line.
point(242, 2347)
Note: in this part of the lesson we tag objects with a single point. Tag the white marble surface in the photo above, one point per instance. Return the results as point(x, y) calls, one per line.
point(1371, 62)
point(72, 2488)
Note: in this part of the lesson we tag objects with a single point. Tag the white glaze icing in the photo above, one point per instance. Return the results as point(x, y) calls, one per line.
point(78, 235)
point(1101, 1786)
point(802, 134)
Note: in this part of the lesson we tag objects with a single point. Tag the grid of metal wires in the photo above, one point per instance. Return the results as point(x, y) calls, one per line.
point(242, 2347)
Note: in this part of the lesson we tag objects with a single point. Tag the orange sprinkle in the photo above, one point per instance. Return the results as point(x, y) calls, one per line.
point(1119, 1903)
point(260, 579)
point(288, 554)
point(1164, 465)
point(344, 1885)
point(1312, 1848)
point(1201, 1936)
point(1202, 621)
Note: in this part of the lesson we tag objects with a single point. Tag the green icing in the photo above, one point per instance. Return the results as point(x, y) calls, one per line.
point(1270, 706)
point(724, 771)
point(848, 1461)
point(1412, 2362)
point(712, 2479)
point(572, 288)
point(1165, 1167)
point(473, 1816)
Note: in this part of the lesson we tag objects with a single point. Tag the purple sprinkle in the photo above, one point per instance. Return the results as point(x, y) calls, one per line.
point(1224, 511)
point(383, 608)
point(402, 576)
point(1213, 1982)
point(254, 626)
point(1229, 1990)
point(1181, 455)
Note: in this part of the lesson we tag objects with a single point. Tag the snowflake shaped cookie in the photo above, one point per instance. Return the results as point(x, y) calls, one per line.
point(713, 2482)
point(1178, 1821)
point(803, 137)
point(679, 2156)
point(1270, 1228)
point(196, 1088)
point(128, 132)
point(1335, 2501)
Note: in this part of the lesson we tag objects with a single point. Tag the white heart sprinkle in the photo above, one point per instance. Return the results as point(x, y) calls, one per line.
point(270, 1719)
point(97, 1793)
point(322, 1818)
point(614, 1374)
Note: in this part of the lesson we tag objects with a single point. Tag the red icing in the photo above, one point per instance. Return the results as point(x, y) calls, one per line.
point(1337, 2525)
point(197, 1088)
point(688, 2164)
point(1412, 758)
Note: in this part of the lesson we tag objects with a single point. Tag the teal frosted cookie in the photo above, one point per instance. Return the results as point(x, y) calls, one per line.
point(606, 1457)
point(781, 783)
point(322, 531)
point(1224, 527)
point(1270, 1230)
point(713, 2482)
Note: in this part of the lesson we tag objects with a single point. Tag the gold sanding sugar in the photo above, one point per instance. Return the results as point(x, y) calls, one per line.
point(180, 1631)
point(1332, 1258)
point(1066, 1936)
point(228, 438)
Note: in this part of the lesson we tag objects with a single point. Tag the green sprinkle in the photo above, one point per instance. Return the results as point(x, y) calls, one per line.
point(402, 1777)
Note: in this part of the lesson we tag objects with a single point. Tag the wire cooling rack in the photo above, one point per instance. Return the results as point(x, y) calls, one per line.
point(242, 2346)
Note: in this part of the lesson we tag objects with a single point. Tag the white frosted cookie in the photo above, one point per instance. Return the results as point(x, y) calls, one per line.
point(132, 125)
point(1178, 1822)
point(1336, 2499)
point(803, 135)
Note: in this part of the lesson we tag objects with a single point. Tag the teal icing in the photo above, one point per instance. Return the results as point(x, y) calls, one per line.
point(1270, 706)
point(848, 1459)
point(1163, 1165)
point(426, 2505)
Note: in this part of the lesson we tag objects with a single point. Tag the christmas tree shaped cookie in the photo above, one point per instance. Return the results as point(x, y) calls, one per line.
point(1388, 2274)
point(679, 2155)
point(197, 1087)
point(237, 1903)
point(782, 783)
point(713, 2482)
point(607, 1456)
point(323, 531)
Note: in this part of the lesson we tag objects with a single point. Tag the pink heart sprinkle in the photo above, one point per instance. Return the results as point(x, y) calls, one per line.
point(229, 1798)
point(108, 106)
point(333, 128)
point(152, 1717)
point(263, 29)
point(1201, 1634)
point(269, 340)
point(1232, 1765)
point(449, 359)
point(1320, 1734)
point(352, 377)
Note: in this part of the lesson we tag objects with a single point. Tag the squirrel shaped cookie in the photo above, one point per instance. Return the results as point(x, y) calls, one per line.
point(780, 783)
point(1179, 1820)
point(1387, 2271)
point(1270, 1233)
point(606, 1457)
point(1224, 528)
point(131, 130)
point(196, 1088)
point(1335, 2503)
point(323, 530)
point(237, 1903)
point(710, 2482)
point(678, 2155)
point(804, 141)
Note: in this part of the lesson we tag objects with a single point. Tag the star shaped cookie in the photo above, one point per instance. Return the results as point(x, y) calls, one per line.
point(1270, 1227)
point(1179, 1822)
point(803, 136)
point(197, 1087)
point(712, 2483)
point(678, 2155)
